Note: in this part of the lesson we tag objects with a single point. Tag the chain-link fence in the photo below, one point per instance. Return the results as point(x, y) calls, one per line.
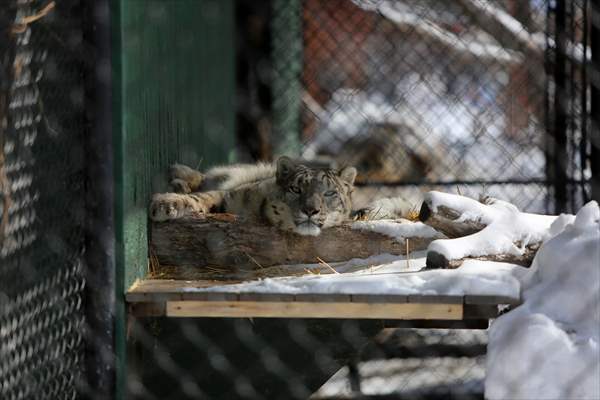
point(41, 184)
point(418, 95)
point(462, 96)
point(481, 98)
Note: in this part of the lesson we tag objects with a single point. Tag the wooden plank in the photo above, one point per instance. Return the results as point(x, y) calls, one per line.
point(147, 309)
point(282, 297)
point(155, 290)
point(488, 299)
point(435, 299)
point(322, 298)
point(263, 309)
point(478, 311)
point(379, 298)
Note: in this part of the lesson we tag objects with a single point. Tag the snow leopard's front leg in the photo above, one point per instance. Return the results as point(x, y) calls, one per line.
point(167, 206)
point(184, 179)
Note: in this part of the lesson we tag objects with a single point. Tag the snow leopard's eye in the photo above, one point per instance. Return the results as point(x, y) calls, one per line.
point(295, 189)
point(329, 193)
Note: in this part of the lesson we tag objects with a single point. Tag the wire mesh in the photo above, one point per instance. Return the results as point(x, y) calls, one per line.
point(41, 283)
point(418, 95)
point(430, 93)
point(485, 98)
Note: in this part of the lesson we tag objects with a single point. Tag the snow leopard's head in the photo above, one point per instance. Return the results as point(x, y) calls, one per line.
point(316, 198)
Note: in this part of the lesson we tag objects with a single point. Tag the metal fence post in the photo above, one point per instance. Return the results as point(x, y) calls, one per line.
point(595, 97)
point(99, 231)
point(287, 84)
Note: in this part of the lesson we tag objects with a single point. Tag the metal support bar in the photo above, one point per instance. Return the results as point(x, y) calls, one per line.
point(558, 139)
point(594, 73)
point(287, 85)
point(99, 229)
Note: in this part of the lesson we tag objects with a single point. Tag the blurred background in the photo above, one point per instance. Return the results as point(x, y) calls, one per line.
point(473, 97)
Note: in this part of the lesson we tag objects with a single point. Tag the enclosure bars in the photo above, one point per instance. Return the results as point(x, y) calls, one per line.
point(558, 140)
point(572, 139)
point(99, 229)
point(594, 74)
point(287, 45)
point(120, 342)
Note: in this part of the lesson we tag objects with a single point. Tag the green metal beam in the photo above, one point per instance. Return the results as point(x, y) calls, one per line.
point(287, 45)
point(173, 93)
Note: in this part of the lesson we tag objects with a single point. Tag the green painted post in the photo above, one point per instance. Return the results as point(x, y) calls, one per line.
point(173, 94)
point(287, 45)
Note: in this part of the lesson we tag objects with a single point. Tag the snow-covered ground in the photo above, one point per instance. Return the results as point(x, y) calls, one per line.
point(387, 274)
point(548, 347)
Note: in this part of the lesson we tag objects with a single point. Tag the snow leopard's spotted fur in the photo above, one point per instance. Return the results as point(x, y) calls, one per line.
point(289, 195)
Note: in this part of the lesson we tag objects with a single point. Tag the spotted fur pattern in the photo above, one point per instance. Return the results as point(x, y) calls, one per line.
point(290, 196)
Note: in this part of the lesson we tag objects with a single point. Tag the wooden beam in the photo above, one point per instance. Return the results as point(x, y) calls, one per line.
point(162, 290)
point(174, 298)
point(224, 240)
point(262, 309)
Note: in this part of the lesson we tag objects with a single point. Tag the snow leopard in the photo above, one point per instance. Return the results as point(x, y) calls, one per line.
point(289, 195)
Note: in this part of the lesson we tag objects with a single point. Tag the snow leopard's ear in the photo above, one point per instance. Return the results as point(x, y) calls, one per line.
point(348, 174)
point(285, 168)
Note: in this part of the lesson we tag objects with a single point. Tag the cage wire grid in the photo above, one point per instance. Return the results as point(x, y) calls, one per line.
point(423, 94)
point(42, 317)
point(417, 94)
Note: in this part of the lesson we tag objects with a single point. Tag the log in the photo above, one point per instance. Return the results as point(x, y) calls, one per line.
point(437, 260)
point(471, 225)
point(230, 243)
point(448, 221)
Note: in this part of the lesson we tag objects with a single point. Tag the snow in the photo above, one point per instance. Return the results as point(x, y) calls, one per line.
point(398, 229)
point(388, 274)
point(548, 347)
point(505, 227)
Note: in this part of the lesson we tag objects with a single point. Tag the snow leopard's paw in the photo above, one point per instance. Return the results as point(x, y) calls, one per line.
point(184, 179)
point(168, 206)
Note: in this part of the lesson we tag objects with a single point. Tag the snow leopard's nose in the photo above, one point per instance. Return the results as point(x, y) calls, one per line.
point(311, 210)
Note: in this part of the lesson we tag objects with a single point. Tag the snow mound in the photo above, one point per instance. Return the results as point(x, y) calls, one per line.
point(548, 347)
point(506, 226)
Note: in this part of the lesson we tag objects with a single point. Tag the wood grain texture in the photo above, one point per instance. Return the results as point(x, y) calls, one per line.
point(157, 290)
point(222, 240)
point(246, 309)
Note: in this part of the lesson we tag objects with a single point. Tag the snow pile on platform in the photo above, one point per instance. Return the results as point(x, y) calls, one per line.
point(388, 274)
point(506, 226)
point(548, 347)
point(398, 229)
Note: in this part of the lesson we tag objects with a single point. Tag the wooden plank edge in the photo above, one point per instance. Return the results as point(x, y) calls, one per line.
point(491, 300)
point(159, 296)
point(264, 309)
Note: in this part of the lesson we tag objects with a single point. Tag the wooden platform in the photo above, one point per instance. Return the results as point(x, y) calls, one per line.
point(177, 298)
